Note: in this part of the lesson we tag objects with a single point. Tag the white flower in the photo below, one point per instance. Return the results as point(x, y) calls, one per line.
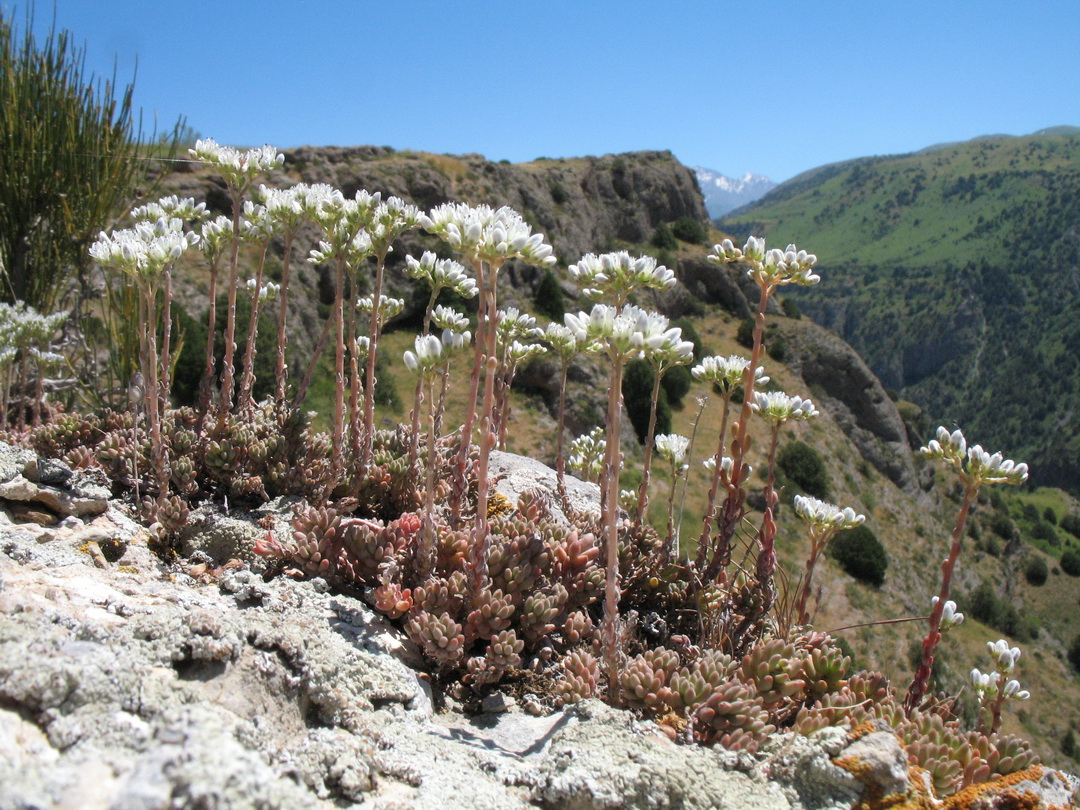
point(143, 252)
point(587, 453)
point(985, 684)
point(1012, 691)
point(512, 325)
point(823, 516)
point(1005, 657)
point(388, 307)
point(441, 274)
point(518, 352)
point(238, 168)
point(267, 292)
point(449, 318)
point(618, 275)
point(170, 207)
point(672, 447)
point(950, 616)
point(428, 354)
point(725, 465)
point(492, 235)
point(773, 267)
point(974, 464)
point(781, 407)
point(726, 372)
point(216, 234)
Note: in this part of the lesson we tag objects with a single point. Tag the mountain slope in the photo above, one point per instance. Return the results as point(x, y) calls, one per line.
point(956, 273)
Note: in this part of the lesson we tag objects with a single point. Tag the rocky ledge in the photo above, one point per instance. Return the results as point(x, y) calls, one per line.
point(129, 682)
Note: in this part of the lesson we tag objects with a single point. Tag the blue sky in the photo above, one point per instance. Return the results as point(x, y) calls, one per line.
point(774, 88)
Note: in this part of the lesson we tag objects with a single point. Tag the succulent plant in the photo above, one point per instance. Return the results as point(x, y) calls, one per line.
point(580, 677)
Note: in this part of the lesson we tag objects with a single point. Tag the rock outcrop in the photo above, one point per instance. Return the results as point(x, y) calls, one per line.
point(144, 684)
point(846, 387)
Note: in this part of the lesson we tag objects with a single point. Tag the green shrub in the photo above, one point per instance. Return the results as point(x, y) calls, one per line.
point(558, 193)
point(1071, 524)
point(690, 230)
point(1070, 562)
point(1050, 516)
point(745, 335)
point(776, 349)
point(1036, 571)
point(1068, 744)
point(548, 298)
point(803, 466)
point(676, 383)
point(1074, 654)
point(1001, 525)
point(663, 238)
point(637, 391)
point(861, 555)
point(1045, 532)
point(790, 308)
point(984, 604)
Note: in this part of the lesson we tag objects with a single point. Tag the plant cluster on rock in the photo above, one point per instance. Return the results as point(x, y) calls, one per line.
point(490, 591)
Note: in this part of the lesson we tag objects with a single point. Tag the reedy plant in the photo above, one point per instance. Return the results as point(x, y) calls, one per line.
point(566, 347)
point(345, 223)
point(824, 521)
point(974, 467)
point(665, 351)
point(239, 170)
point(145, 253)
point(487, 238)
point(769, 270)
point(438, 274)
point(392, 218)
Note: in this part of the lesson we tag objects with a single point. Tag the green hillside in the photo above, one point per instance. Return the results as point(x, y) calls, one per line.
point(956, 272)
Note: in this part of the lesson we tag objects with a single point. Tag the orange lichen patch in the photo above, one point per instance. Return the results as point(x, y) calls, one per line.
point(1005, 796)
point(916, 798)
point(861, 731)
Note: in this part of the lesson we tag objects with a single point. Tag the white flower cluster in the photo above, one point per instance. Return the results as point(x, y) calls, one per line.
point(727, 372)
point(443, 317)
point(512, 324)
point(392, 217)
point(587, 454)
point(440, 274)
point(144, 251)
point(664, 345)
point(618, 274)
point(488, 234)
point(344, 221)
point(22, 326)
point(725, 464)
point(268, 291)
point(215, 237)
point(824, 516)
point(672, 448)
point(987, 683)
point(169, 208)
point(388, 307)
point(625, 334)
point(950, 616)
point(781, 407)
point(238, 167)
point(432, 352)
point(974, 464)
point(773, 267)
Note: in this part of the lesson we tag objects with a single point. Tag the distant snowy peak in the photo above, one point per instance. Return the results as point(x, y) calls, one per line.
point(723, 194)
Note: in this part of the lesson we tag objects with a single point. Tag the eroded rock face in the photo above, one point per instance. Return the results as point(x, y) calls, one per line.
point(853, 396)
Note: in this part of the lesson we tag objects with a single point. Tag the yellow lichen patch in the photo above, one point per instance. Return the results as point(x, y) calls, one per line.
point(916, 798)
point(498, 504)
point(1005, 797)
